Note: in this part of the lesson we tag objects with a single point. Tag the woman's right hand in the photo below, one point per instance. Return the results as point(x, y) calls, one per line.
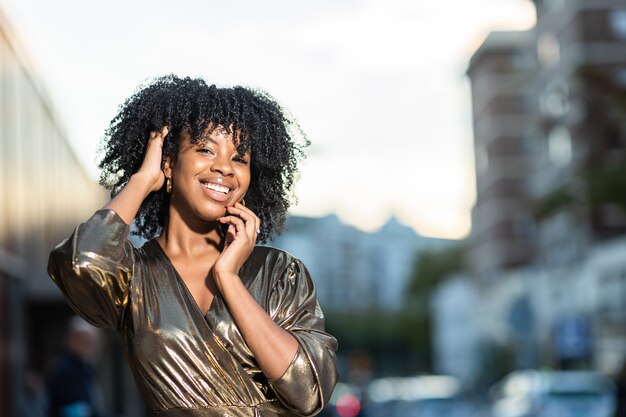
point(147, 179)
point(151, 166)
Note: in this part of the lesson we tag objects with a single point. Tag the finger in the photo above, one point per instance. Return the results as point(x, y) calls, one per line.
point(251, 220)
point(230, 235)
point(237, 230)
point(245, 213)
point(238, 205)
point(155, 140)
point(159, 134)
point(239, 224)
point(245, 229)
point(155, 148)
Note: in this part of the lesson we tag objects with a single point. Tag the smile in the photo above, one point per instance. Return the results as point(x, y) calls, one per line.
point(216, 187)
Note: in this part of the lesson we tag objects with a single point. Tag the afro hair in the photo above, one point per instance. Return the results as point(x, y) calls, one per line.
point(275, 141)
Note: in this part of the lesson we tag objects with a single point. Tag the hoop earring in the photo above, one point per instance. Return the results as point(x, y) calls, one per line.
point(243, 202)
point(168, 185)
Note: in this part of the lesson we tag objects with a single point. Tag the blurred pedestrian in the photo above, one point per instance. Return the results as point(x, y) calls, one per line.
point(212, 324)
point(33, 402)
point(620, 382)
point(72, 387)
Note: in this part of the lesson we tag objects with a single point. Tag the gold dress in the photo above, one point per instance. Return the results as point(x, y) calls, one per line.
point(185, 362)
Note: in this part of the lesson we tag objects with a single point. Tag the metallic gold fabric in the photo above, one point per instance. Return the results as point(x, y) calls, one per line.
point(185, 362)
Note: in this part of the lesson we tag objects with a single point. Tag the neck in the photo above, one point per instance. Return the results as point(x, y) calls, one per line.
point(190, 238)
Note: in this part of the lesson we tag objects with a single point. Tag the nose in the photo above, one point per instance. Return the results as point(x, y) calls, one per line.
point(222, 165)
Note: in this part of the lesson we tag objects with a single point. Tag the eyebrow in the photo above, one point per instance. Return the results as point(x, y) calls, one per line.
point(204, 139)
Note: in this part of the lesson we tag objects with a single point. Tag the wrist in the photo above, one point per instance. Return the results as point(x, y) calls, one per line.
point(224, 278)
point(143, 182)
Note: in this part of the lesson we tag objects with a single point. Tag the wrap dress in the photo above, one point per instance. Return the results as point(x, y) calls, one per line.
point(186, 362)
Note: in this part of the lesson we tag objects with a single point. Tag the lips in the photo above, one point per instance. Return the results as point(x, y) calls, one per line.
point(216, 189)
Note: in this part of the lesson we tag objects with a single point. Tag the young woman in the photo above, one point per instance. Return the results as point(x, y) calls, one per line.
point(212, 325)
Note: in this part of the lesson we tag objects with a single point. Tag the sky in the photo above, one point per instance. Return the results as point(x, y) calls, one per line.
point(378, 86)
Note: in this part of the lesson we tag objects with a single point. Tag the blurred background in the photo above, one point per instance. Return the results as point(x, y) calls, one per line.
point(462, 208)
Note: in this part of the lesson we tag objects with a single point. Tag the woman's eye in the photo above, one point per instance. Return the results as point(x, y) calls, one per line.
point(205, 150)
point(240, 159)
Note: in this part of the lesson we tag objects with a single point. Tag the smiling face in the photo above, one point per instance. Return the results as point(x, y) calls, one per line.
point(207, 175)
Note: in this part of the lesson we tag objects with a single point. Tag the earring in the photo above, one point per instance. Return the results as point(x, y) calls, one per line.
point(243, 202)
point(168, 185)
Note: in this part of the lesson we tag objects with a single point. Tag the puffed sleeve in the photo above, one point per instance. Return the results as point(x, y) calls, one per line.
point(93, 269)
point(308, 382)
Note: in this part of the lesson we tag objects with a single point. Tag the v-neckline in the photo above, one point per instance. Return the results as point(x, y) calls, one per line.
point(182, 282)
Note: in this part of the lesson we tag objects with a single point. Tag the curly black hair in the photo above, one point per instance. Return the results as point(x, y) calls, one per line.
point(189, 104)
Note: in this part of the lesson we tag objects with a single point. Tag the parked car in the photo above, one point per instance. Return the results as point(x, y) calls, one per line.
point(420, 396)
point(437, 407)
point(531, 393)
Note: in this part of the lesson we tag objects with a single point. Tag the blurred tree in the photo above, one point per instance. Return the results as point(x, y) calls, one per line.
point(603, 128)
point(557, 199)
point(399, 343)
point(600, 176)
point(388, 337)
point(429, 270)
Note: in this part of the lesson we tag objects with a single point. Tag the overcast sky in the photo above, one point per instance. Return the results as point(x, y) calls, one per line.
point(378, 85)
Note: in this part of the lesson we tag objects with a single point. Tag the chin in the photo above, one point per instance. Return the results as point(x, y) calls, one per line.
point(210, 216)
point(212, 213)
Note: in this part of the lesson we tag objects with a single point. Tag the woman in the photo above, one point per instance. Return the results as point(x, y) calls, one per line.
point(212, 325)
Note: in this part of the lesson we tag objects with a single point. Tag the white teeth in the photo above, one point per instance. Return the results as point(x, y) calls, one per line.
point(216, 187)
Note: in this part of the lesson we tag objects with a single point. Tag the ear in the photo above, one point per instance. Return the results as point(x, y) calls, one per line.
point(168, 167)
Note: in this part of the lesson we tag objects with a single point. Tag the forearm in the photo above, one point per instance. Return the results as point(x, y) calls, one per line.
point(127, 202)
point(93, 268)
point(273, 347)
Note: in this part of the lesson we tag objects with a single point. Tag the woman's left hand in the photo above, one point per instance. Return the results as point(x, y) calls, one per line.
point(243, 228)
point(273, 347)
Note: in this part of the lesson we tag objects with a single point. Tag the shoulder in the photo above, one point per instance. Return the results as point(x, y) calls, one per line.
point(151, 255)
point(269, 256)
point(275, 262)
point(148, 251)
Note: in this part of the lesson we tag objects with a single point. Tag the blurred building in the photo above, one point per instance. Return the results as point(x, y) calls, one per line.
point(581, 50)
point(44, 193)
point(456, 341)
point(500, 72)
point(355, 270)
point(549, 224)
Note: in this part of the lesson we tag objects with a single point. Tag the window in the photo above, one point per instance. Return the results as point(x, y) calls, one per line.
point(560, 146)
point(507, 104)
point(523, 226)
point(482, 159)
point(617, 20)
point(548, 49)
point(612, 290)
point(620, 76)
point(554, 101)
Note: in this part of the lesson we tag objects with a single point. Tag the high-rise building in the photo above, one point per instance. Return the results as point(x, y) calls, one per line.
point(581, 54)
point(544, 145)
point(578, 182)
point(550, 144)
point(500, 72)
